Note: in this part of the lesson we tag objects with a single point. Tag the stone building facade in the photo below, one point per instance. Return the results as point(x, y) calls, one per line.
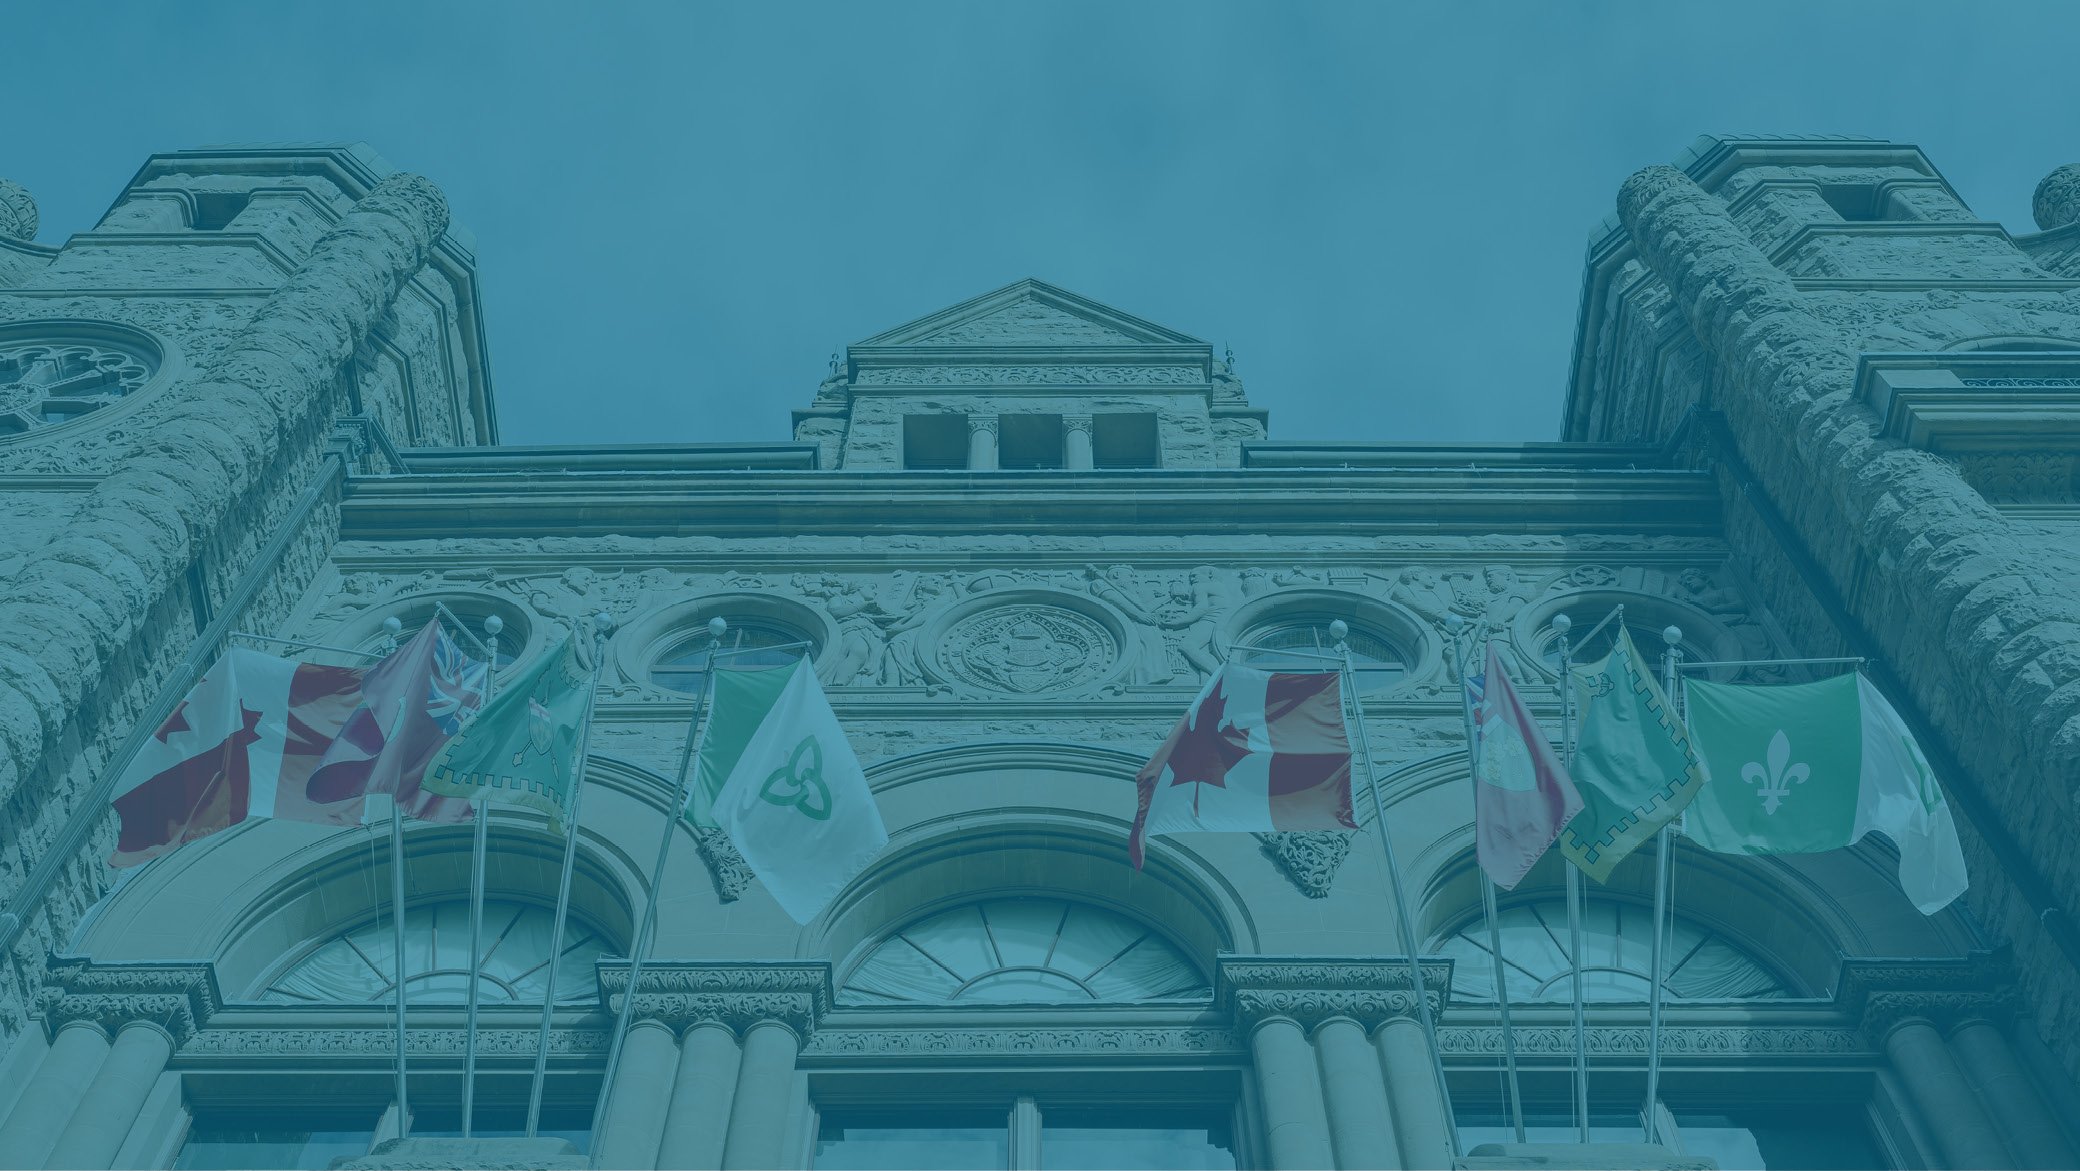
point(1817, 408)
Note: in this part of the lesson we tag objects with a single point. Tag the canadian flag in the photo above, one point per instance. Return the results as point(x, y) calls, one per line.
point(1259, 750)
point(241, 744)
point(1522, 795)
point(261, 736)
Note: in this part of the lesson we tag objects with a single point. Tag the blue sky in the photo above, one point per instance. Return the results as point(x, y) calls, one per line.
point(682, 209)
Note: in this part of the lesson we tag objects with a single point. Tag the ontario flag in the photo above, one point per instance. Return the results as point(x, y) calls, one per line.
point(266, 737)
point(1258, 751)
point(1522, 795)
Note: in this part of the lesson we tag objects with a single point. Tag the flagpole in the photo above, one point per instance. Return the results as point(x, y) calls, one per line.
point(1562, 623)
point(1340, 630)
point(492, 626)
point(1649, 1123)
point(1473, 772)
point(600, 625)
point(694, 733)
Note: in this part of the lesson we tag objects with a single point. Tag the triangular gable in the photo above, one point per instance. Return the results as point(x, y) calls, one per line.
point(1030, 313)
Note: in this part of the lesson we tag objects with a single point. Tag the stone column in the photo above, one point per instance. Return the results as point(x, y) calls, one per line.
point(1418, 1116)
point(1077, 430)
point(1943, 1097)
point(982, 443)
point(111, 1103)
point(2010, 1095)
point(40, 1114)
point(765, 1084)
point(1356, 1096)
point(697, 1124)
point(1296, 1130)
point(629, 1135)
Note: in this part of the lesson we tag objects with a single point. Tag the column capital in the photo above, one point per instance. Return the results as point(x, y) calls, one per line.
point(177, 998)
point(980, 423)
point(1076, 423)
point(1884, 994)
point(1313, 989)
point(734, 994)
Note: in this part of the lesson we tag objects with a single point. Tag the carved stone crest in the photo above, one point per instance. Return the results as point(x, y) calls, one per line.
point(1027, 649)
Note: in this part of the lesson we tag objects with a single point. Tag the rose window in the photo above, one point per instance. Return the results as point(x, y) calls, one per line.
point(45, 384)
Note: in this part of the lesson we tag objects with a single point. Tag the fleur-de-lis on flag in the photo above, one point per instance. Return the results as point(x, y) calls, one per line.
point(1777, 779)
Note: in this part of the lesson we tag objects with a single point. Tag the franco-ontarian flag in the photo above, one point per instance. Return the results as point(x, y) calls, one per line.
point(1809, 767)
point(522, 747)
point(777, 776)
point(1633, 762)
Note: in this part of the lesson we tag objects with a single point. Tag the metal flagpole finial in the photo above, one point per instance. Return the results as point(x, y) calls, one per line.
point(1672, 635)
point(603, 623)
point(1339, 630)
point(1454, 623)
point(392, 626)
point(1562, 623)
point(716, 627)
point(494, 625)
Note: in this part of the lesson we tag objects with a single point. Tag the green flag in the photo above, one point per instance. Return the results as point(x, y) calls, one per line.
point(522, 747)
point(777, 775)
point(1633, 762)
point(1810, 767)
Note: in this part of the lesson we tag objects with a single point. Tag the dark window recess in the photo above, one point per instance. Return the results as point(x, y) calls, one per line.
point(1855, 202)
point(1123, 441)
point(1029, 441)
point(214, 210)
point(935, 441)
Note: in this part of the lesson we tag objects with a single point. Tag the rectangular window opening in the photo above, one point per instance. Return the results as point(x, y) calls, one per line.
point(1124, 441)
point(935, 442)
point(214, 210)
point(1854, 202)
point(1029, 441)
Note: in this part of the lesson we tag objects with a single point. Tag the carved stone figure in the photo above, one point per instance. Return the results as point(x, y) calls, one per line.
point(853, 610)
point(1122, 588)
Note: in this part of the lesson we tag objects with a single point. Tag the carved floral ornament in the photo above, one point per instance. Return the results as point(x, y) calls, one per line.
point(1069, 631)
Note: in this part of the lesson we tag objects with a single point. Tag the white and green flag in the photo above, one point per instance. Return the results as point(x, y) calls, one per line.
point(1809, 767)
point(777, 776)
point(1633, 764)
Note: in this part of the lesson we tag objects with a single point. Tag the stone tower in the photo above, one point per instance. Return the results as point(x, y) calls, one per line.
point(1887, 390)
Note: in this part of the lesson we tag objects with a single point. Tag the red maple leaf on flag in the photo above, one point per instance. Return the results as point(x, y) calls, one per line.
point(1207, 750)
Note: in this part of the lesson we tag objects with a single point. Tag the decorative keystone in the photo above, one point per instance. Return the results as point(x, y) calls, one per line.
point(179, 998)
point(1311, 989)
point(1310, 857)
point(736, 995)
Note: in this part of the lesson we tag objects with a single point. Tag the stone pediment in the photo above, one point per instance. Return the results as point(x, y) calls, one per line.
point(1030, 314)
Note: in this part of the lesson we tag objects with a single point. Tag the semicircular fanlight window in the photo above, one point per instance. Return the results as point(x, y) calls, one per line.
point(360, 966)
point(1024, 951)
point(1617, 951)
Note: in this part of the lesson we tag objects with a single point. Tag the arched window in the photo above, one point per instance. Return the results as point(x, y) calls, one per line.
point(1376, 663)
point(758, 645)
point(359, 966)
point(1024, 951)
point(1617, 950)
